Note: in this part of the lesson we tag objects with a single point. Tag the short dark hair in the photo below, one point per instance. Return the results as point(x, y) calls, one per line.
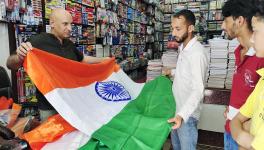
point(236, 8)
point(259, 4)
point(187, 14)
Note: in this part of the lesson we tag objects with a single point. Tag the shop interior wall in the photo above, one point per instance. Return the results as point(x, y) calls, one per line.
point(4, 46)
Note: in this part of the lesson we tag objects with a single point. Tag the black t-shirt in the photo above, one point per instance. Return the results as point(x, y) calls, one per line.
point(49, 43)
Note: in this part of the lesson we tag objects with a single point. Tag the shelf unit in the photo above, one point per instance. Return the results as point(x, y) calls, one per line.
point(208, 16)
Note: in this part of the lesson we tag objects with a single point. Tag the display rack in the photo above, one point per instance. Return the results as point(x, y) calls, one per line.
point(208, 16)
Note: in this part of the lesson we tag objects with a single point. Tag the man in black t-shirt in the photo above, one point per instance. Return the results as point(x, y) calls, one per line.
point(57, 43)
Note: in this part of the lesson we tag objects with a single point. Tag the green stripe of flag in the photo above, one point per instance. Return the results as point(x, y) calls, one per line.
point(142, 124)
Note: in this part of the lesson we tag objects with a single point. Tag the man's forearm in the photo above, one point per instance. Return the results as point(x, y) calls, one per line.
point(13, 62)
point(242, 137)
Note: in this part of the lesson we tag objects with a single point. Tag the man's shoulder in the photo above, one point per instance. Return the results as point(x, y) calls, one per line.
point(39, 37)
point(68, 41)
point(198, 48)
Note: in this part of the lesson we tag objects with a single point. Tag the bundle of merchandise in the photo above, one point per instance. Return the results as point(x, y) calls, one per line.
point(119, 51)
point(195, 8)
point(130, 13)
point(167, 18)
point(158, 26)
point(49, 5)
point(137, 16)
point(76, 11)
point(77, 1)
point(88, 50)
point(143, 29)
point(139, 39)
point(158, 46)
point(131, 38)
point(124, 65)
point(149, 38)
point(88, 17)
point(123, 24)
point(132, 3)
point(88, 2)
point(125, 1)
point(150, 30)
point(218, 63)
point(144, 19)
point(154, 69)
point(141, 6)
point(76, 33)
point(167, 8)
point(116, 37)
point(215, 15)
point(25, 12)
point(231, 62)
point(142, 55)
point(130, 26)
point(32, 13)
point(102, 15)
point(122, 10)
point(26, 88)
point(131, 49)
point(167, 2)
point(178, 7)
point(150, 10)
point(158, 36)
point(159, 14)
point(112, 17)
point(134, 63)
point(88, 36)
point(137, 27)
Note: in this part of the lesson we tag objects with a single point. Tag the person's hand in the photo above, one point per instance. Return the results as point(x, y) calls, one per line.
point(23, 49)
point(105, 58)
point(245, 139)
point(166, 71)
point(226, 112)
point(177, 122)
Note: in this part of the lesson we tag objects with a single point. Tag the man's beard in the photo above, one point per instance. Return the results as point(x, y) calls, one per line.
point(230, 37)
point(183, 38)
point(232, 34)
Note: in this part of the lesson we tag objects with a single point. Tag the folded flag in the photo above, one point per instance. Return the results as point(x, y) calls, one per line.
point(103, 103)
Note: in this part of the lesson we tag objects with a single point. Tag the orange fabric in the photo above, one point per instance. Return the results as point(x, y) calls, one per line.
point(43, 63)
point(5, 103)
point(48, 132)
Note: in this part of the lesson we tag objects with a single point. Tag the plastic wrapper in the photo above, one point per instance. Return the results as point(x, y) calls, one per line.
point(49, 131)
point(9, 116)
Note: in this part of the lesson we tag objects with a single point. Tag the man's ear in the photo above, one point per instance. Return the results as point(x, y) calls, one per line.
point(241, 20)
point(191, 28)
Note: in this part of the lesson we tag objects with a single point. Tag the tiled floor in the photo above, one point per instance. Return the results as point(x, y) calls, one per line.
point(207, 141)
point(168, 146)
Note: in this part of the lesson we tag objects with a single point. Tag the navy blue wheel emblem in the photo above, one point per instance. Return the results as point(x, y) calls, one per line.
point(112, 91)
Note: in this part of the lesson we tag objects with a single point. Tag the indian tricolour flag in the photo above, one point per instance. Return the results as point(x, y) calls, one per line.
point(107, 109)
